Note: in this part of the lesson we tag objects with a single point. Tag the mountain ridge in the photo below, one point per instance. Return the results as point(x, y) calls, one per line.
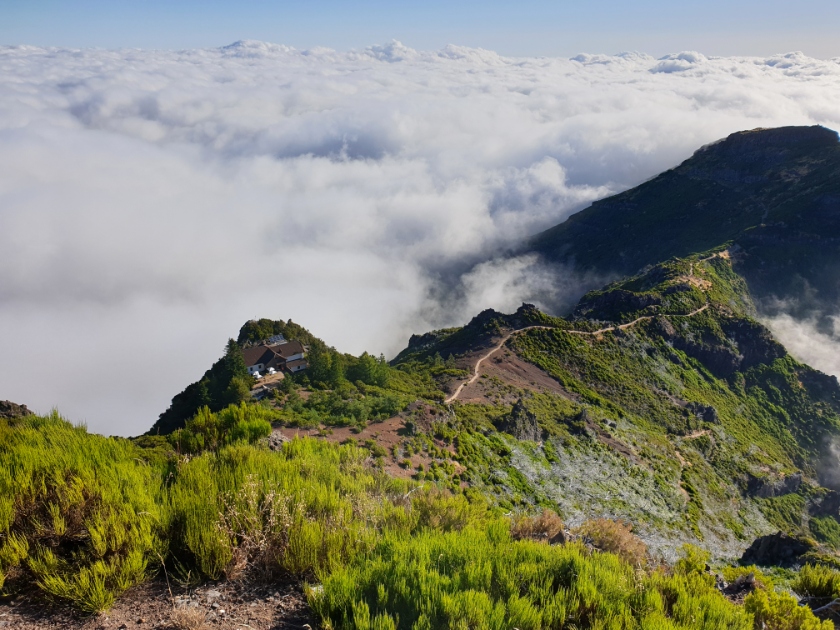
point(773, 193)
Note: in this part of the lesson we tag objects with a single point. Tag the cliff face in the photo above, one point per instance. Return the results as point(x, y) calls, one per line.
point(773, 192)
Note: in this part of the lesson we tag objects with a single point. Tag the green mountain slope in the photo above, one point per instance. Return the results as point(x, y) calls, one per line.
point(773, 192)
point(661, 401)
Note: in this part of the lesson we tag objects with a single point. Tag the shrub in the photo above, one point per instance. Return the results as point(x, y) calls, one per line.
point(546, 526)
point(80, 514)
point(304, 509)
point(187, 618)
point(210, 431)
point(480, 578)
point(826, 529)
point(693, 561)
point(731, 574)
point(375, 449)
point(781, 611)
point(615, 537)
point(817, 581)
point(440, 510)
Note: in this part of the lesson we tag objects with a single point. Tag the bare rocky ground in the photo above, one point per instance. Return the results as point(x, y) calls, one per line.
point(224, 606)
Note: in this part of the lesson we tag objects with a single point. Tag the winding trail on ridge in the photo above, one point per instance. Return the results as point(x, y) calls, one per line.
point(505, 339)
point(724, 254)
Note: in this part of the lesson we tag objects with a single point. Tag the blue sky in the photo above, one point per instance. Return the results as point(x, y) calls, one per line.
point(527, 27)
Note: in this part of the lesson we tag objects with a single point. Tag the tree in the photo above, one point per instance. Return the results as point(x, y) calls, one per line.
point(238, 390)
point(320, 363)
point(369, 370)
point(234, 361)
point(335, 375)
point(202, 395)
point(226, 382)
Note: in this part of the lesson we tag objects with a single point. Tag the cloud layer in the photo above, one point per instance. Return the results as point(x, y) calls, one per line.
point(152, 201)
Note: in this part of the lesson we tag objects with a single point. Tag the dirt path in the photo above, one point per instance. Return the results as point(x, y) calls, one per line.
point(634, 322)
point(234, 605)
point(507, 337)
point(487, 356)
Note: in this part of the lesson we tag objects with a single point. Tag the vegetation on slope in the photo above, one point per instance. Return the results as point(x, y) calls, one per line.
point(379, 552)
point(227, 382)
point(80, 514)
point(661, 401)
point(691, 421)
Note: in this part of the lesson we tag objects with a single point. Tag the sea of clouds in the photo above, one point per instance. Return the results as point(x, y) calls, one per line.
point(153, 201)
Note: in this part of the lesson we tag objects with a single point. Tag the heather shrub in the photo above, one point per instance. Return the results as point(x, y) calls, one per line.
point(480, 578)
point(615, 537)
point(187, 618)
point(731, 574)
point(85, 517)
point(817, 581)
point(210, 431)
point(80, 514)
point(441, 510)
point(309, 507)
point(781, 611)
point(545, 526)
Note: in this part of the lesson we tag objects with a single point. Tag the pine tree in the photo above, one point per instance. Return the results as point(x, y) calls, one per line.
point(234, 361)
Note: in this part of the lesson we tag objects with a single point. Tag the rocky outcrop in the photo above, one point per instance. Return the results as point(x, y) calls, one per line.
point(747, 344)
point(276, 440)
point(776, 550)
point(764, 147)
point(720, 359)
point(608, 305)
point(823, 387)
point(10, 410)
point(766, 487)
point(755, 343)
point(419, 342)
point(738, 590)
point(521, 423)
point(828, 505)
point(774, 192)
point(706, 413)
point(525, 315)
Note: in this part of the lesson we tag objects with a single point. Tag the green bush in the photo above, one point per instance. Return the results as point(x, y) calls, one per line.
point(781, 611)
point(307, 508)
point(236, 423)
point(81, 515)
point(817, 581)
point(826, 529)
point(85, 517)
point(480, 578)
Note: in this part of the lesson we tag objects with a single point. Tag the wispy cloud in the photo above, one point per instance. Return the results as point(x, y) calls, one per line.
point(150, 201)
point(809, 340)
